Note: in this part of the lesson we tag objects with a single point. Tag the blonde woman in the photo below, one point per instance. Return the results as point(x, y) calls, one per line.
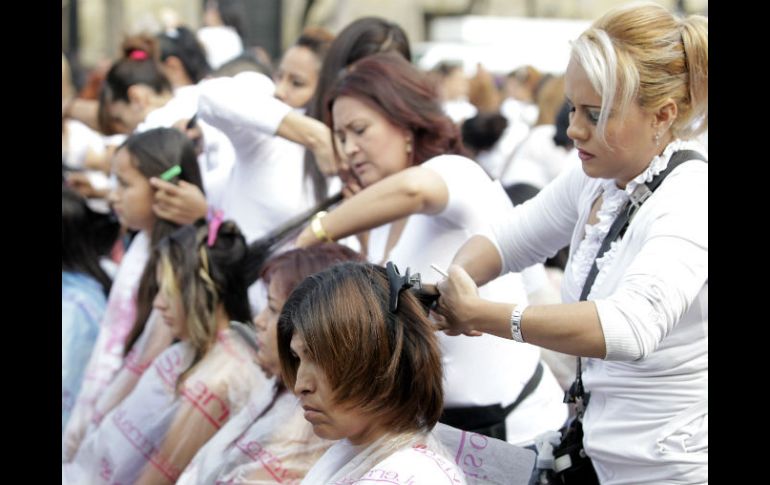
point(637, 81)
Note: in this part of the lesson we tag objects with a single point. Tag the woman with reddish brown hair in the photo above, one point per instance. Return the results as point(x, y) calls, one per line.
point(421, 198)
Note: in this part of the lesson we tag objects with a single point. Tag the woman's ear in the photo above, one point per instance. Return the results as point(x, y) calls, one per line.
point(665, 115)
point(173, 67)
point(139, 95)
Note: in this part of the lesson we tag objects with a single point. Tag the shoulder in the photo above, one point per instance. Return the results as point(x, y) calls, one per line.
point(417, 464)
point(452, 166)
point(687, 184)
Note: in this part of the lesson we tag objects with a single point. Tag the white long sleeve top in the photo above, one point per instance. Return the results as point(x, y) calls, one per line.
point(647, 419)
point(266, 184)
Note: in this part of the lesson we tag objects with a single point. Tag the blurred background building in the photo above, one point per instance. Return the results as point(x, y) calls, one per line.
point(468, 31)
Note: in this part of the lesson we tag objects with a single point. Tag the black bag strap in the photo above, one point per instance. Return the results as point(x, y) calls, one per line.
point(618, 229)
point(528, 388)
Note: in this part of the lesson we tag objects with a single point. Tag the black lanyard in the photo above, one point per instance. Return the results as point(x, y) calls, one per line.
point(618, 228)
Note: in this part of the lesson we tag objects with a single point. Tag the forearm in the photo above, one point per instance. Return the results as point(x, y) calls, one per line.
point(410, 191)
point(85, 111)
point(572, 328)
point(480, 259)
point(304, 130)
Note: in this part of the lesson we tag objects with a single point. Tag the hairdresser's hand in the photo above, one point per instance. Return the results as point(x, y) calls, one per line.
point(183, 203)
point(458, 295)
point(352, 185)
point(194, 133)
point(324, 157)
point(81, 184)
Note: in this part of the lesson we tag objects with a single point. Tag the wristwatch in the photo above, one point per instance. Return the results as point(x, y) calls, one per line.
point(516, 322)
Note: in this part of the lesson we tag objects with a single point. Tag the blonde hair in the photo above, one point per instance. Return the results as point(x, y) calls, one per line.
point(641, 52)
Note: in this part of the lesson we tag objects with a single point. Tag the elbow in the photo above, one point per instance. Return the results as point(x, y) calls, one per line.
point(413, 189)
point(423, 190)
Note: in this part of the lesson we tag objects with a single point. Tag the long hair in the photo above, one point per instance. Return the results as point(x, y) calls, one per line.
point(405, 96)
point(152, 153)
point(205, 277)
point(86, 236)
point(362, 37)
point(182, 44)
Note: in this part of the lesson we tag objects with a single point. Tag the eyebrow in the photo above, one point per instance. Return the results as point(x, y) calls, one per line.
point(583, 105)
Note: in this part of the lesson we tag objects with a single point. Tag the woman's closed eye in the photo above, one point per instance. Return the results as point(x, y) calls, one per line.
point(593, 115)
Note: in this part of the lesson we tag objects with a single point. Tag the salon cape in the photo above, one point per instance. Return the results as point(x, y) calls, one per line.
point(445, 455)
point(107, 354)
point(134, 435)
point(268, 442)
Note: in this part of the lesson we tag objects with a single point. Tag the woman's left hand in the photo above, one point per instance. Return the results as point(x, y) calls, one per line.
point(182, 203)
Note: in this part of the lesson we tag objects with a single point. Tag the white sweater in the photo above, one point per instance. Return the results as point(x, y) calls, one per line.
point(647, 420)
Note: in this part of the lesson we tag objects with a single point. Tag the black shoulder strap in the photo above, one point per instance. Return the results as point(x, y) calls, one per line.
point(618, 228)
point(635, 201)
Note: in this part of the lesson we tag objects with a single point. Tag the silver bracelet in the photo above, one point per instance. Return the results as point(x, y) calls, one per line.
point(516, 314)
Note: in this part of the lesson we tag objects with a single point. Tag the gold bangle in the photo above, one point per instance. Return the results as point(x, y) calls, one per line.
point(318, 230)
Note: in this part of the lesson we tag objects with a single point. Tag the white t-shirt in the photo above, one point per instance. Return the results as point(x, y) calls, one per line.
point(482, 370)
point(538, 160)
point(81, 139)
point(221, 43)
point(459, 109)
point(266, 186)
point(519, 111)
point(218, 155)
point(496, 160)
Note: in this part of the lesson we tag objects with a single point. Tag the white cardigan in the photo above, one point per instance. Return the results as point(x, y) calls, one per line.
point(647, 420)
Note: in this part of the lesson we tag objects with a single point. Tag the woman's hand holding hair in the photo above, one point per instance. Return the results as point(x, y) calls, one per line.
point(313, 135)
point(459, 294)
point(193, 131)
point(351, 186)
point(181, 203)
point(324, 157)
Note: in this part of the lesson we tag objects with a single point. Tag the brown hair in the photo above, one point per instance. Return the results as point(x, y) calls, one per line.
point(291, 267)
point(316, 39)
point(387, 364)
point(406, 97)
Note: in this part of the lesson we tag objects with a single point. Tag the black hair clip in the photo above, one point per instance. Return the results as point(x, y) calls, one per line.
point(399, 283)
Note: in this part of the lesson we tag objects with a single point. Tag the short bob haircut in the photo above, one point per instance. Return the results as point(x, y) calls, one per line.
point(386, 364)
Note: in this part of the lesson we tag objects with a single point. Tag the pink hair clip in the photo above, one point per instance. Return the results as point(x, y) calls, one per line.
point(214, 223)
point(138, 55)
